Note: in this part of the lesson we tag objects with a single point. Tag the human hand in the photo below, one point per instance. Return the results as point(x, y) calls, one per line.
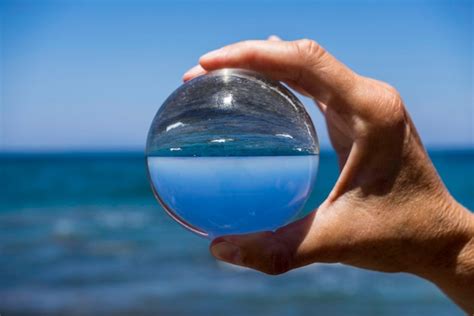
point(388, 211)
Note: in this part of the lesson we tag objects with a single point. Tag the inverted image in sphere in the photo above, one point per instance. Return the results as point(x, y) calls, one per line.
point(232, 152)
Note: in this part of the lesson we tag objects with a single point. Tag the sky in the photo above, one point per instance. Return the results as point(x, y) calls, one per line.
point(90, 75)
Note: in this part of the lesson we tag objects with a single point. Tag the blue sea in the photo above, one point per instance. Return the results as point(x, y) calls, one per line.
point(82, 234)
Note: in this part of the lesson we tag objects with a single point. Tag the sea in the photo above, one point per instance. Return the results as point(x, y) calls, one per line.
point(82, 234)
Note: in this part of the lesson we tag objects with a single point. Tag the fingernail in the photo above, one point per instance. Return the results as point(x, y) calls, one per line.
point(191, 73)
point(186, 76)
point(226, 252)
point(212, 54)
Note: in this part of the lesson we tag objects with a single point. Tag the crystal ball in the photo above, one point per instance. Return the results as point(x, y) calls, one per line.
point(232, 152)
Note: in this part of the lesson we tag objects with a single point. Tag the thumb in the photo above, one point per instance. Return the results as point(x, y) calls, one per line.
point(269, 252)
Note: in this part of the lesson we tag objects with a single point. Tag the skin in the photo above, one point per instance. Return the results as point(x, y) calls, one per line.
point(388, 211)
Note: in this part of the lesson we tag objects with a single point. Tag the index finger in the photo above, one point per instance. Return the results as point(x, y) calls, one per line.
point(303, 63)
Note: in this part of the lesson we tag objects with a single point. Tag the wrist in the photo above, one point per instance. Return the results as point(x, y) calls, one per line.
point(452, 243)
point(450, 264)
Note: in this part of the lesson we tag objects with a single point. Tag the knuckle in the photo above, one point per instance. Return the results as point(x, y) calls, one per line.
point(308, 49)
point(384, 106)
point(308, 54)
point(395, 110)
point(393, 96)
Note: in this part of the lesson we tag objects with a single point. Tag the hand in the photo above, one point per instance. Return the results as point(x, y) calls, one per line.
point(388, 211)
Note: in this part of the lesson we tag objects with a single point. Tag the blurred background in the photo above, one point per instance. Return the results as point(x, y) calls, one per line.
point(80, 81)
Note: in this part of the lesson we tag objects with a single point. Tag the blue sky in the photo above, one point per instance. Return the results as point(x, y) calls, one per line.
point(81, 75)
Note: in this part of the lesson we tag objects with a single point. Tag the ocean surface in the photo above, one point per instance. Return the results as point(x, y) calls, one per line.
point(82, 234)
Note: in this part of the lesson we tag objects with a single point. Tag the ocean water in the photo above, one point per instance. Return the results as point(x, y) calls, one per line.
point(82, 234)
point(214, 196)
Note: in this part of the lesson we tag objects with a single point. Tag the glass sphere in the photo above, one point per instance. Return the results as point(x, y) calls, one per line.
point(232, 152)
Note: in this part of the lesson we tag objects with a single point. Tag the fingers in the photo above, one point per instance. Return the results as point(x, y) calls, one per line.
point(274, 38)
point(294, 86)
point(197, 70)
point(193, 72)
point(269, 252)
point(302, 63)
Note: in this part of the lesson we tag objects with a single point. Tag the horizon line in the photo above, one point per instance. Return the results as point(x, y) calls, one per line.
point(136, 151)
